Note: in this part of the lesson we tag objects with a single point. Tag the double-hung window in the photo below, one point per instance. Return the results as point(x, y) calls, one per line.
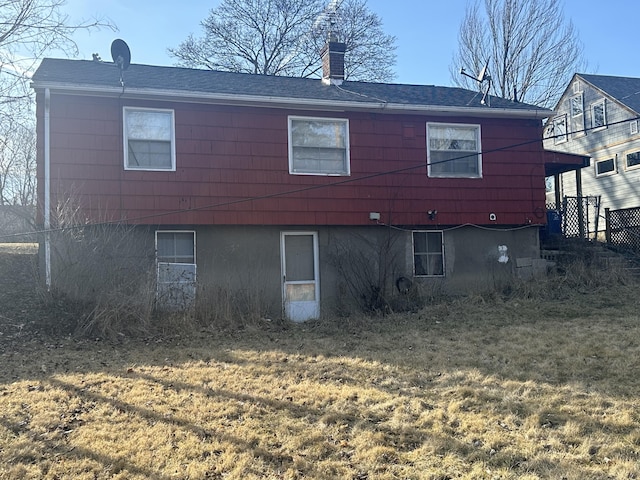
point(577, 115)
point(428, 254)
point(453, 150)
point(149, 139)
point(176, 262)
point(598, 115)
point(319, 146)
point(559, 129)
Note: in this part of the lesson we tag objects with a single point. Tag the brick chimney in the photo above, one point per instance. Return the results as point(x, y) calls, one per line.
point(333, 62)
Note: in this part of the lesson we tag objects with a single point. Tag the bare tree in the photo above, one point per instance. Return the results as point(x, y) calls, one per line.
point(17, 164)
point(284, 37)
point(530, 49)
point(28, 30)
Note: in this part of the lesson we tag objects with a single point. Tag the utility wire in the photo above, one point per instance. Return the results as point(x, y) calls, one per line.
point(298, 190)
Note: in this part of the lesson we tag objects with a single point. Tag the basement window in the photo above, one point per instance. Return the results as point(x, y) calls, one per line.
point(319, 146)
point(604, 167)
point(428, 254)
point(453, 150)
point(176, 268)
point(149, 139)
point(633, 159)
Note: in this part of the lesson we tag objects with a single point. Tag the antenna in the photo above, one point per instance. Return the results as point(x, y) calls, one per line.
point(482, 77)
point(121, 56)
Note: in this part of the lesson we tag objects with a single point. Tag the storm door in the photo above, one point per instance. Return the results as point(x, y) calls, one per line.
point(300, 279)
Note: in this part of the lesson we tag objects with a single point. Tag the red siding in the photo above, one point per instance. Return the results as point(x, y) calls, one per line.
point(228, 155)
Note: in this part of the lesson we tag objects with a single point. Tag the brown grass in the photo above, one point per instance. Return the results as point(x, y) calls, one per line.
point(522, 387)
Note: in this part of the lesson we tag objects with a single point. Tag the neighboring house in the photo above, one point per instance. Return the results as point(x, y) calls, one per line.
point(597, 116)
point(312, 191)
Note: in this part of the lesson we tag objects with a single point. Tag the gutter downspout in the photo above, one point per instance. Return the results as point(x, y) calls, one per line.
point(47, 188)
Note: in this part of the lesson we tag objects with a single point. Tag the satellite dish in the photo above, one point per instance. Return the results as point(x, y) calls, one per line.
point(121, 54)
point(483, 73)
point(482, 77)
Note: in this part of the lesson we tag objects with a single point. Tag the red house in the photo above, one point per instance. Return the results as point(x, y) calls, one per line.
point(315, 193)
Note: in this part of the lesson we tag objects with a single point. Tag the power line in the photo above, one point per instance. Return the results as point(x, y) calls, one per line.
point(297, 190)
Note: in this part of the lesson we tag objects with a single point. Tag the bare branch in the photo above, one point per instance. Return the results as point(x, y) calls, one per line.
point(532, 51)
point(284, 37)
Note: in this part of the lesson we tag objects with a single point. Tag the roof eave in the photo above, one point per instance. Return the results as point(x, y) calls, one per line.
point(288, 102)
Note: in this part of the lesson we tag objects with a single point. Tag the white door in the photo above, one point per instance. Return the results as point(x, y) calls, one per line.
point(300, 279)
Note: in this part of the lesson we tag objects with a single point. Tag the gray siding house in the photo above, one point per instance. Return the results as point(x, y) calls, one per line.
point(598, 116)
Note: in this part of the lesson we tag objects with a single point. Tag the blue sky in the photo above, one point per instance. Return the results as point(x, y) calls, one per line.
point(426, 31)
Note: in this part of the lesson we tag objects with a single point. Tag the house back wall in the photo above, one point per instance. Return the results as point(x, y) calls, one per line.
point(232, 169)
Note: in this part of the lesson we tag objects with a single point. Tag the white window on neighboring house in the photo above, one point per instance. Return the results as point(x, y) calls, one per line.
point(453, 150)
point(598, 115)
point(319, 146)
point(149, 139)
point(176, 268)
point(559, 131)
point(577, 115)
point(428, 254)
point(606, 167)
point(633, 159)
point(633, 127)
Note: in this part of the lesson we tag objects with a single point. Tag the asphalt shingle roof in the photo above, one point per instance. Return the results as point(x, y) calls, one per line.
point(624, 89)
point(87, 73)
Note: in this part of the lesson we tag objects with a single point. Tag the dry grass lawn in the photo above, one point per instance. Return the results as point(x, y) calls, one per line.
point(475, 388)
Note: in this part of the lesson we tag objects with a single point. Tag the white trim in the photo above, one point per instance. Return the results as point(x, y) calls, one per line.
point(125, 138)
point(607, 173)
point(604, 114)
point(626, 159)
point(478, 130)
point(559, 138)
point(287, 102)
point(633, 127)
point(47, 187)
point(576, 86)
point(344, 121)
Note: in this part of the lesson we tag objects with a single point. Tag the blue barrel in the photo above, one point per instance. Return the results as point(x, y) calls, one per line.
point(554, 222)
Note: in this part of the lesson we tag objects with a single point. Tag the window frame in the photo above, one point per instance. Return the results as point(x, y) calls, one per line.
point(594, 105)
point(626, 160)
point(166, 290)
point(428, 253)
point(347, 145)
point(562, 137)
point(577, 119)
point(613, 171)
point(478, 134)
point(125, 138)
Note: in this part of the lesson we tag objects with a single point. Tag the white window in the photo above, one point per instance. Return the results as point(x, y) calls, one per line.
point(428, 254)
point(633, 127)
point(319, 146)
point(176, 268)
point(149, 139)
point(453, 150)
point(577, 115)
point(633, 159)
point(576, 87)
point(607, 166)
point(598, 115)
point(559, 132)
